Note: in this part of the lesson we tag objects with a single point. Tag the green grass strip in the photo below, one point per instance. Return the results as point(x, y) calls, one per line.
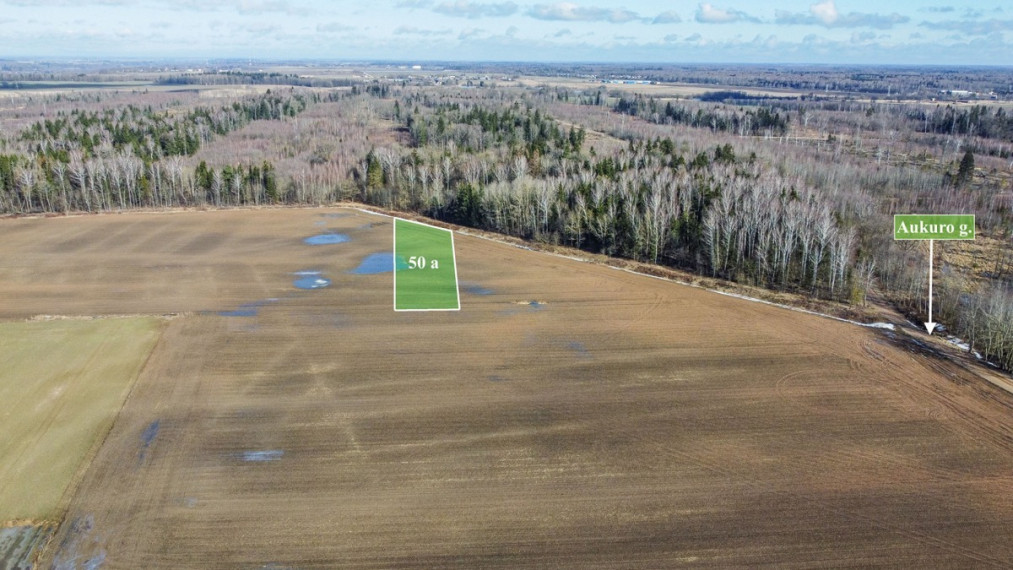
point(425, 273)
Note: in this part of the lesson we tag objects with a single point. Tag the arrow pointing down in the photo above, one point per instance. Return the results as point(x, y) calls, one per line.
point(929, 325)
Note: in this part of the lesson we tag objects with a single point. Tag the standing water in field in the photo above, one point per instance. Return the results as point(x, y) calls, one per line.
point(579, 348)
point(379, 263)
point(475, 289)
point(247, 309)
point(148, 436)
point(259, 456)
point(326, 239)
point(310, 280)
point(18, 544)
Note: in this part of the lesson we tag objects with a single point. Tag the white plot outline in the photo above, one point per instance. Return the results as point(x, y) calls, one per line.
point(453, 255)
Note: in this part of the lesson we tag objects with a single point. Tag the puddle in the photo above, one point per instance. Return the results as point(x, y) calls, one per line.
point(147, 437)
point(242, 311)
point(247, 309)
point(326, 239)
point(531, 305)
point(310, 280)
point(259, 456)
point(94, 562)
point(336, 215)
point(496, 378)
point(579, 348)
point(19, 543)
point(379, 263)
point(475, 289)
point(150, 432)
point(80, 541)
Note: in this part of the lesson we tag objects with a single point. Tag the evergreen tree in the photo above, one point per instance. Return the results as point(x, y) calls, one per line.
point(966, 170)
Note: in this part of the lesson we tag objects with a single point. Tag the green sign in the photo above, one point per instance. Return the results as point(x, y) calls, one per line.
point(933, 226)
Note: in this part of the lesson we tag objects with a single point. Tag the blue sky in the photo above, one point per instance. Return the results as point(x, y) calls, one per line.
point(785, 31)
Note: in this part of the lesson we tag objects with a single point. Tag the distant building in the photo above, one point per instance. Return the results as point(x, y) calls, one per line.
point(959, 93)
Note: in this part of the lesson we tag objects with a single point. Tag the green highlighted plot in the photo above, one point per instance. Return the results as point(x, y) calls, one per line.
point(425, 277)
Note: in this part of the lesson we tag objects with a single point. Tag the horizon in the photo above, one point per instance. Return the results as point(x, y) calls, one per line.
point(643, 32)
point(309, 62)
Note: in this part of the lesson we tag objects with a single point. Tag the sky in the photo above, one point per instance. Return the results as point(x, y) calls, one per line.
point(673, 31)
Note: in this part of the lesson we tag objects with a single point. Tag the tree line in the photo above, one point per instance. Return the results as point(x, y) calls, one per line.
point(712, 212)
point(133, 157)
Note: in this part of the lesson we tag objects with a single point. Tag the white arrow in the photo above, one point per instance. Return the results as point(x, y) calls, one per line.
point(929, 325)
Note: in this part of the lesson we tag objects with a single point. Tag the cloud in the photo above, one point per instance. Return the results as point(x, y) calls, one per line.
point(937, 9)
point(263, 6)
point(332, 27)
point(470, 34)
point(708, 14)
point(971, 27)
point(826, 14)
point(257, 29)
point(563, 32)
point(241, 6)
point(570, 12)
point(669, 17)
point(815, 40)
point(414, 31)
point(695, 39)
point(414, 4)
point(863, 37)
point(37, 3)
point(466, 9)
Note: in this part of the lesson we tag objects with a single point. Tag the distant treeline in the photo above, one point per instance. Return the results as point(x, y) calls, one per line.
point(36, 85)
point(123, 181)
point(978, 120)
point(763, 120)
point(741, 98)
point(148, 134)
point(132, 156)
point(476, 128)
point(254, 78)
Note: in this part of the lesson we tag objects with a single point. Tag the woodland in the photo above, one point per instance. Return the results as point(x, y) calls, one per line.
point(792, 191)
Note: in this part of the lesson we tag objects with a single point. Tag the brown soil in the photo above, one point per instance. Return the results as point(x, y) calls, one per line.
point(570, 415)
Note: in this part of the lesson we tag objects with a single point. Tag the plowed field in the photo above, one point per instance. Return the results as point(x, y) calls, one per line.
point(569, 415)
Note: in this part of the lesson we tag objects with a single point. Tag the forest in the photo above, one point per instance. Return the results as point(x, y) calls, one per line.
point(791, 192)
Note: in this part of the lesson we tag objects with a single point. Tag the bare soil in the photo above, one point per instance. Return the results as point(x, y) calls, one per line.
point(570, 415)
